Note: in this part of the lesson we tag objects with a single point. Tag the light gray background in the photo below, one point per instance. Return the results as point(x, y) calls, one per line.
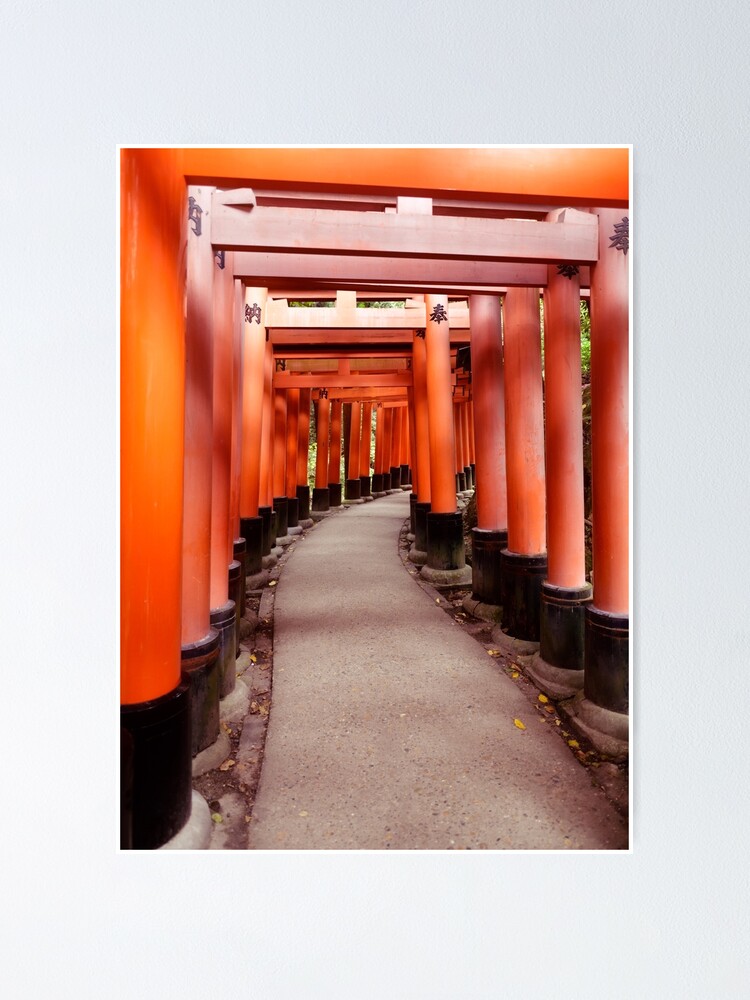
point(668, 920)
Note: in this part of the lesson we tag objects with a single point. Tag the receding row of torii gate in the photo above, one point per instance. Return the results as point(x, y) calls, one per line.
point(225, 450)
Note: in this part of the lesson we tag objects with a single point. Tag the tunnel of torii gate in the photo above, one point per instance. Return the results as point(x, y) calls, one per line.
point(218, 372)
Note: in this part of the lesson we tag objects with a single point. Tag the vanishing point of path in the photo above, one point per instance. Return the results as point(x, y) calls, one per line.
point(391, 728)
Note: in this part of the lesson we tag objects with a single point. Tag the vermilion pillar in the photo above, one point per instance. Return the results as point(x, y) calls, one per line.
point(421, 452)
point(236, 539)
point(472, 444)
point(413, 472)
point(303, 452)
point(607, 618)
point(565, 592)
point(321, 496)
point(524, 562)
point(265, 496)
point(458, 457)
point(365, 443)
point(445, 541)
point(387, 441)
point(280, 507)
point(403, 457)
point(155, 713)
point(253, 398)
point(226, 571)
point(353, 486)
point(490, 536)
point(292, 445)
point(395, 466)
point(468, 475)
point(377, 479)
point(334, 457)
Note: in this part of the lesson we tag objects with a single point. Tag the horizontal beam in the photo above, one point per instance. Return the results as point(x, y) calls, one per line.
point(280, 316)
point(359, 395)
point(384, 234)
point(335, 380)
point(339, 342)
point(530, 174)
point(262, 268)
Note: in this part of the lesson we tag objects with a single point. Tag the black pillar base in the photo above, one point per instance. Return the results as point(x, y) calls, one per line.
point(126, 790)
point(486, 581)
point(364, 486)
point(445, 541)
point(223, 620)
point(266, 516)
point(200, 665)
point(334, 495)
point(240, 554)
point(303, 503)
point(292, 513)
point(413, 513)
point(395, 477)
point(522, 578)
point(473, 468)
point(561, 625)
point(386, 481)
point(460, 482)
point(607, 640)
point(405, 475)
point(161, 766)
point(320, 498)
point(281, 529)
point(235, 589)
point(377, 483)
point(353, 489)
point(252, 528)
point(469, 477)
point(421, 510)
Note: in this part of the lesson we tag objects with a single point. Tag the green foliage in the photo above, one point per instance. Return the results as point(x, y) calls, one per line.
point(585, 341)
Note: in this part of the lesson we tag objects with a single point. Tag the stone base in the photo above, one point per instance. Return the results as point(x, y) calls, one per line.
point(406, 487)
point(318, 515)
point(447, 579)
point(557, 683)
point(257, 580)
point(277, 551)
point(306, 522)
point(210, 758)
point(487, 612)
point(295, 529)
point(380, 493)
point(196, 833)
point(410, 536)
point(234, 706)
point(368, 498)
point(269, 561)
point(514, 647)
point(416, 556)
point(607, 731)
point(394, 491)
point(283, 541)
point(348, 503)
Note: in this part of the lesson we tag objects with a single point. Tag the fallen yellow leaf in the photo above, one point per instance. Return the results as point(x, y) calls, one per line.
point(226, 765)
point(216, 817)
point(543, 698)
point(573, 743)
point(304, 813)
point(272, 583)
point(515, 674)
point(253, 657)
point(550, 709)
point(518, 724)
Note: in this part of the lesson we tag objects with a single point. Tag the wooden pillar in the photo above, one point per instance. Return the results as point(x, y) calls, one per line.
point(395, 466)
point(404, 446)
point(490, 536)
point(458, 456)
point(445, 541)
point(292, 446)
point(524, 562)
point(607, 618)
point(565, 592)
point(334, 456)
point(321, 496)
point(365, 443)
point(414, 476)
point(387, 441)
point(155, 699)
point(279, 465)
point(353, 485)
point(225, 570)
point(265, 497)
point(421, 454)
point(253, 399)
point(377, 479)
point(236, 539)
point(303, 451)
point(466, 446)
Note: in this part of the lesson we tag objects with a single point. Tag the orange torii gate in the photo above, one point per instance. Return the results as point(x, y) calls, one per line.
point(505, 240)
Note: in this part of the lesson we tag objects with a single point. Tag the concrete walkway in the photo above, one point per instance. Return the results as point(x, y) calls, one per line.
point(391, 728)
